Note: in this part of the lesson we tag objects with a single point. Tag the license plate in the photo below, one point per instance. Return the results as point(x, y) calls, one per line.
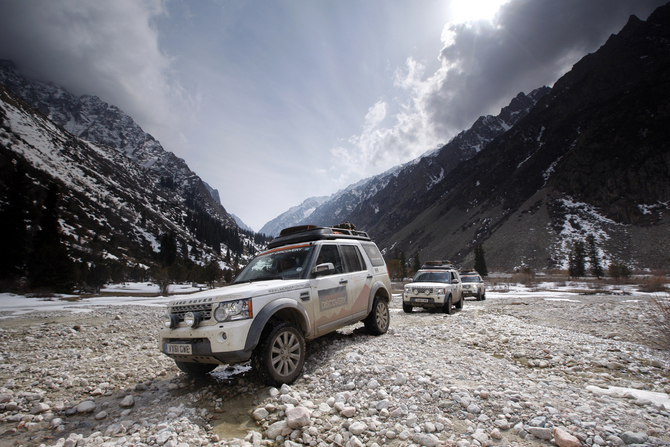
point(179, 348)
point(421, 300)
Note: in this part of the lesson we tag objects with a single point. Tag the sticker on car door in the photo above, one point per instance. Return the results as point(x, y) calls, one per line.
point(332, 298)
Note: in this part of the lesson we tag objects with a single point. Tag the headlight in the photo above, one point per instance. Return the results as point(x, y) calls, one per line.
point(233, 310)
point(440, 291)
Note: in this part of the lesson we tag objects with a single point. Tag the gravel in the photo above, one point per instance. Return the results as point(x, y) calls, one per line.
point(512, 370)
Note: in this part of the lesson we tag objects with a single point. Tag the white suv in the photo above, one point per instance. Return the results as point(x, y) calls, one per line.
point(437, 285)
point(473, 285)
point(310, 281)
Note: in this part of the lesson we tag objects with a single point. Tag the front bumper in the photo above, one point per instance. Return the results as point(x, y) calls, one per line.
point(424, 301)
point(220, 343)
point(470, 292)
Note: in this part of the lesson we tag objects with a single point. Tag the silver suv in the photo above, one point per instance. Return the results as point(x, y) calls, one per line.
point(473, 285)
point(437, 285)
point(309, 282)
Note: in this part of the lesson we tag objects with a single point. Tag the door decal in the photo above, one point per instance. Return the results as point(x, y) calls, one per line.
point(332, 298)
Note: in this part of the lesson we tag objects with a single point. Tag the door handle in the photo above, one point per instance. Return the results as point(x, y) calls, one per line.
point(343, 281)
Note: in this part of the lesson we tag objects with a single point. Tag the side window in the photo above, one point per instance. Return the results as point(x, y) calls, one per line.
point(330, 253)
point(373, 253)
point(352, 258)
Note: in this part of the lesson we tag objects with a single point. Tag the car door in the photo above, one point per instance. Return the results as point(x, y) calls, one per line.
point(330, 310)
point(456, 286)
point(360, 281)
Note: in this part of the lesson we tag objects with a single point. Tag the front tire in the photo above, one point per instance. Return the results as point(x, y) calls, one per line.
point(196, 369)
point(377, 322)
point(459, 305)
point(446, 308)
point(479, 296)
point(407, 308)
point(280, 356)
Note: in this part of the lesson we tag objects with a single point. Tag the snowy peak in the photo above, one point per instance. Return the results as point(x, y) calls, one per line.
point(397, 187)
point(293, 216)
point(91, 119)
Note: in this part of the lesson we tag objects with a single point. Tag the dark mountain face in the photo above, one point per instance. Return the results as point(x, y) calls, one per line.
point(419, 184)
point(120, 209)
point(379, 203)
point(592, 157)
point(589, 156)
point(91, 119)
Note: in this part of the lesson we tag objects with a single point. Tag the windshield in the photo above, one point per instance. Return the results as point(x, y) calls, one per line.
point(286, 263)
point(469, 278)
point(432, 277)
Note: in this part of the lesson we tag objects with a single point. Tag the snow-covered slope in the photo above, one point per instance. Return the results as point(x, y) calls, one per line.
point(110, 206)
point(91, 119)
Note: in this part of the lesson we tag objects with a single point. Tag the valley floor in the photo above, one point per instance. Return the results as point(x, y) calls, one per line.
point(509, 370)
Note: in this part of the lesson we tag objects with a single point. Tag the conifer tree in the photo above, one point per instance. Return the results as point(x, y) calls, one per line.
point(50, 266)
point(168, 253)
point(403, 263)
point(480, 261)
point(13, 226)
point(594, 258)
point(576, 260)
point(417, 264)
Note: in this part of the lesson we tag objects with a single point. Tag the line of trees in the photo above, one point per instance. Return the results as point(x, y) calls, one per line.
point(584, 252)
point(34, 255)
point(399, 267)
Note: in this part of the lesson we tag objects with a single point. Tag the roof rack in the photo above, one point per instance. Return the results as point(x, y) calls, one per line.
point(307, 233)
point(437, 265)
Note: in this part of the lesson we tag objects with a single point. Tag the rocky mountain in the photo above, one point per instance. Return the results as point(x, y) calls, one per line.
point(589, 156)
point(592, 157)
point(130, 206)
point(417, 175)
point(89, 118)
point(294, 216)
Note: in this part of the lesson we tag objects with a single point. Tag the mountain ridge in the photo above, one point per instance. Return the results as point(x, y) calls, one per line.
point(591, 157)
point(91, 119)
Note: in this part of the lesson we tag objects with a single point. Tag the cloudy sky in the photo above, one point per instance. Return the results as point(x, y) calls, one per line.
point(275, 101)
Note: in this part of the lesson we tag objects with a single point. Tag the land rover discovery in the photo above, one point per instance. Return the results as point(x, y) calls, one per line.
point(309, 282)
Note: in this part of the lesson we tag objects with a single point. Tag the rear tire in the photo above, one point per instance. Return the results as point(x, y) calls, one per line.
point(196, 369)
point(280, 355)
point(407, 308)
point(446, 308)
point(377, 322)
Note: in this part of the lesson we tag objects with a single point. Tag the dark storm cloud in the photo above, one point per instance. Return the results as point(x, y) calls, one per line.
point(529, 43)
point(107, 49)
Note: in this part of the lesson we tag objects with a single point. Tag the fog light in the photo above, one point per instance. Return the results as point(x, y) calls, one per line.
point(172, 321)
point(192, 319)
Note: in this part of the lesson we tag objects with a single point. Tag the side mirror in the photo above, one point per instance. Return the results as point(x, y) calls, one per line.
point(323, 269)
point(455, 281)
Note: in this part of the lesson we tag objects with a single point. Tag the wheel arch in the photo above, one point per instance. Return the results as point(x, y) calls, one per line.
point(378, 289)
point(285, 309)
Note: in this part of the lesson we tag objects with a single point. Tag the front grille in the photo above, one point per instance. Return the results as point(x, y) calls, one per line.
point(204, 309)
point(419, 289)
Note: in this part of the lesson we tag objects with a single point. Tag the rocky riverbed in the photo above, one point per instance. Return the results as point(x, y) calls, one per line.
point(516, 369)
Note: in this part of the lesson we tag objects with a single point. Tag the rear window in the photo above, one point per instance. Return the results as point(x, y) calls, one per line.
point(470, 278)
point(373, 253)
point(352, 258)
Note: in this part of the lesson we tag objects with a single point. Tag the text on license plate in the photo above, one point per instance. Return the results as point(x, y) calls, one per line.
point(421, 300)
point(179, 348)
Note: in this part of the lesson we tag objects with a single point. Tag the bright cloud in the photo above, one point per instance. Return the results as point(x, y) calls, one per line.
point(483, 64)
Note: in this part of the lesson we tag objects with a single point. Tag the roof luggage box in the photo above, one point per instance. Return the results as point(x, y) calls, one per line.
point(307, 233)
